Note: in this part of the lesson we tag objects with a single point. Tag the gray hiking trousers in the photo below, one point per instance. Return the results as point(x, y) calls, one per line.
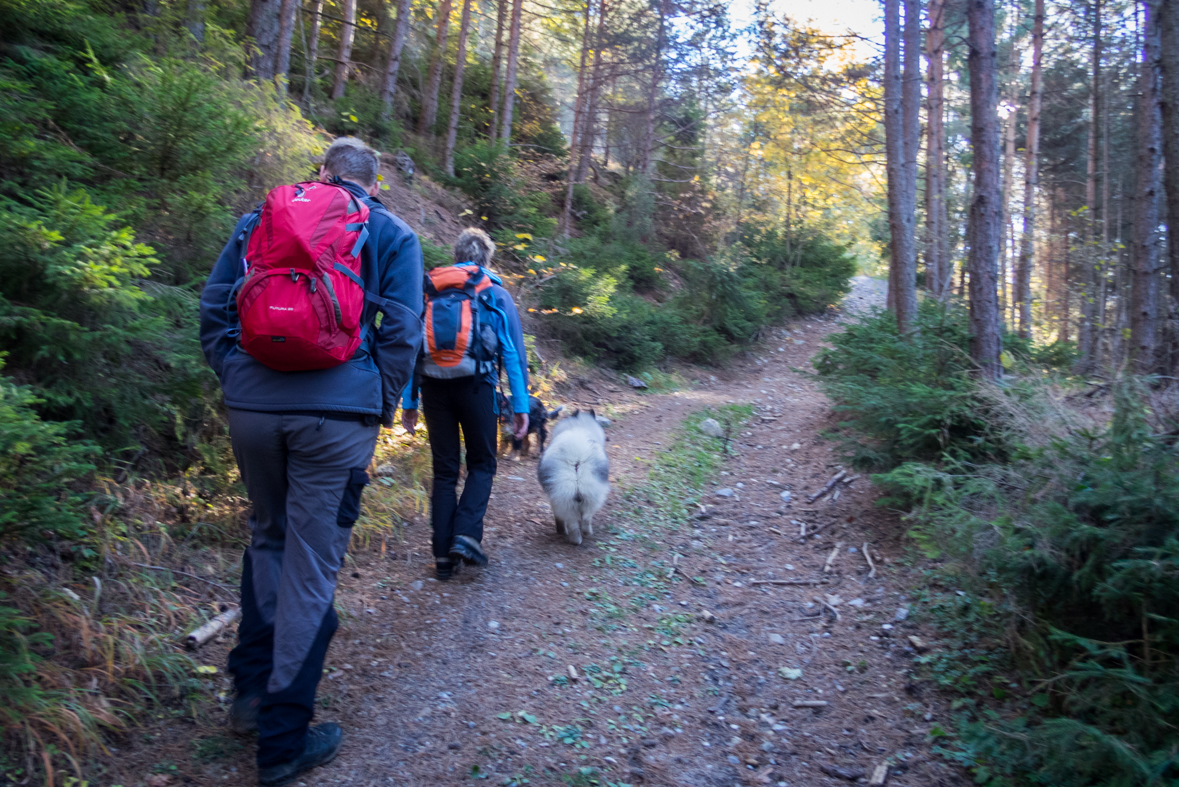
point(304, 475)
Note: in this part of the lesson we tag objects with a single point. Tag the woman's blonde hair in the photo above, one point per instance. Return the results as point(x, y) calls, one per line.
point(474, 245)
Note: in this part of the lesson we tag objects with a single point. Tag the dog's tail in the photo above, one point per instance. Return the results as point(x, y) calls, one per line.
point(554, 413)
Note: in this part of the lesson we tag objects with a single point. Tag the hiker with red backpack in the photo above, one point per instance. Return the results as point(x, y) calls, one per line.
point(310, 319)
point(472, 331)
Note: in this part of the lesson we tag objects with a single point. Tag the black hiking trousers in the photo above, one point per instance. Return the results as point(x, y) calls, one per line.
point(469, 404)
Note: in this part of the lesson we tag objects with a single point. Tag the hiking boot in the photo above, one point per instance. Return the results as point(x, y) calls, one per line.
point(323, 744)
point(468, 550)
point(444, 568)
point(243, 713)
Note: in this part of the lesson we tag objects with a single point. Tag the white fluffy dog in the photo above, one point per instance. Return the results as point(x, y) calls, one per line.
point(575, 474)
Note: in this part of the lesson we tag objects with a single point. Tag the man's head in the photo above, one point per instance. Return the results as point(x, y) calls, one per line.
point(350, 159)
point(474, 245)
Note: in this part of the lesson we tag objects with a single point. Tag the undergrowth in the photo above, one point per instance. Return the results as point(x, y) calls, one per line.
point(1057, 529)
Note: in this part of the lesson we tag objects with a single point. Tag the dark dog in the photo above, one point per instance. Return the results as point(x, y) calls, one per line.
point(538, 418)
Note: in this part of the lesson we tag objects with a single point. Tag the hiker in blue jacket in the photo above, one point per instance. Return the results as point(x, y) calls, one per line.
point(458, 390)
point(303, 441)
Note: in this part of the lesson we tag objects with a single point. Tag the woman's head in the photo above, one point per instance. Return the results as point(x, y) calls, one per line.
point(474, 245)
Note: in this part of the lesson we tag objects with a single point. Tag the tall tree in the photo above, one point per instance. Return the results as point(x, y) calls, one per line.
point(262, 29)
point(429, 112)
point(985, 228)
point(496, 61)
point(901, 98)
point(312, 53)
point(1031, 179)
point(393, 66)
point(647, 157)
point(505, 127)
point(1087, 335)
point(578, 102)
point(589, 117)
point(938, 268)
point(1168, 17)
point(286, 32)
point(1145, 249)
point(456, 94)
point(344, 53)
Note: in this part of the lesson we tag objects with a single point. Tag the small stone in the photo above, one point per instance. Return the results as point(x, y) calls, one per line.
point(602, 420)
point(696, 544)
point(886, 626)
point(733, 760)
point(785, 497)
point(726, 492)
point(767, 746)
point(493, 625)
point(776, 639)
point(707, 616)
point(795, 446)
point(740, 485)
point(902, 613)
point(856, 602)
point(918, 644)
point(711, 427)
point(416, 585)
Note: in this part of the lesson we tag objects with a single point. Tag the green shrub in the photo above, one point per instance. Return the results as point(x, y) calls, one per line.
point(801, 272)
point(488, 175)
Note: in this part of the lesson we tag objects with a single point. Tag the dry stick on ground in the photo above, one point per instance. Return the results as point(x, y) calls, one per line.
point(806, 535)
point(831, 558)
point(835, 479)
point(834, 611)
point(788, 582)
point(809, 703)
point(211, 629)
point(871, 565)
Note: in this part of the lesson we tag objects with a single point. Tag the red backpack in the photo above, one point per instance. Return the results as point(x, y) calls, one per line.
point(301, 299)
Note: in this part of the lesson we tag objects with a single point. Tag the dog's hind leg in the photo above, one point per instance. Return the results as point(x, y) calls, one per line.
point(573, 533)
point(560, 526)
point(587, 525)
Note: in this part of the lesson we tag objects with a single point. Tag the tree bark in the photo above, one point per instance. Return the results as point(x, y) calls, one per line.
point(505, 127)
point(344, 54)
point(496, 62)
point(938, 271)
point(1168, 17)
point(1145, 284)
point(393, 66)
point(262, 28)
point(647, 156)
point(1006, 254)
point(456, 96)
point(589, 118)
point(906, 301)
point(312, 53)
point(286, 33)
point(985, 230)
point(901, 201)
point(434, 82)
point(567, 212)
point(1031, 179)
point(1087, 330)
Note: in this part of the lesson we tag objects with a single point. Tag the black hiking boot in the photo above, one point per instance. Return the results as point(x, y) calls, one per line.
point(323, 744)
point(243, 713)
point(468, 550)
point(444, 568)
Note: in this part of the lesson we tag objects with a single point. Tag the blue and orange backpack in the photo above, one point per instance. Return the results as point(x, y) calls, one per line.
point(461, 340)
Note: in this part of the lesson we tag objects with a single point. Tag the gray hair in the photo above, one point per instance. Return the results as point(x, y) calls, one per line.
point(350, 159)
point(474, 245)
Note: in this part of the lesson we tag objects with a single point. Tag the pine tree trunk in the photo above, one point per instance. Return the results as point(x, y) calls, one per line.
point(393, 66)
point(1087, 333)
point(906, 300)
point(646, 159)
point(194, 20)
point(1007, 253)
point(1031, 179)
point(985, 230)
point(1145, 285)
point(496, 62)
point(901, 202)
point(1168, 17)
point(456, 95)
point(312, 53)
point(589, 118)
point(286, 32)
point(938, 270)
point(579, 99)
point(344, 54)
point(434, 82)
point(262, 29)
point(505, 126)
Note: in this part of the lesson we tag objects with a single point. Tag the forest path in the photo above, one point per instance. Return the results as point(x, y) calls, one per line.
point(453, 683)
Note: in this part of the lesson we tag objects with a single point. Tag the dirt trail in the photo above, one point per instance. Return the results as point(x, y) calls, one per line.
point(452, 683)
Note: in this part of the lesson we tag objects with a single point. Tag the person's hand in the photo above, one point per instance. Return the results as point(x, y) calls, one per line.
point(409, 419)
point(520, 425)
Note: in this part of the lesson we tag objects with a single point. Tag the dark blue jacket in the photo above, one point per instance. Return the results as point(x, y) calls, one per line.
point(513, 356)
point(369, 384)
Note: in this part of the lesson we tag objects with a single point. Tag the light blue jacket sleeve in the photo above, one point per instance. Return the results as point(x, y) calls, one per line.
point(512, 351)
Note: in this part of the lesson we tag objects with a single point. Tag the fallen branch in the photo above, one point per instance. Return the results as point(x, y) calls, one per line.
point(807, 535)
point(775, 530)
point(211, 629)
point(809, 703)
point(788, 582)
point(847, 774)
point(835, 479)
point(879, 776)
point(834, 611)
point(871, 565)
point(831, 558)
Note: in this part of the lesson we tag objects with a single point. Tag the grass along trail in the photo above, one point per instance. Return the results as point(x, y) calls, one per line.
point(659, 652)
